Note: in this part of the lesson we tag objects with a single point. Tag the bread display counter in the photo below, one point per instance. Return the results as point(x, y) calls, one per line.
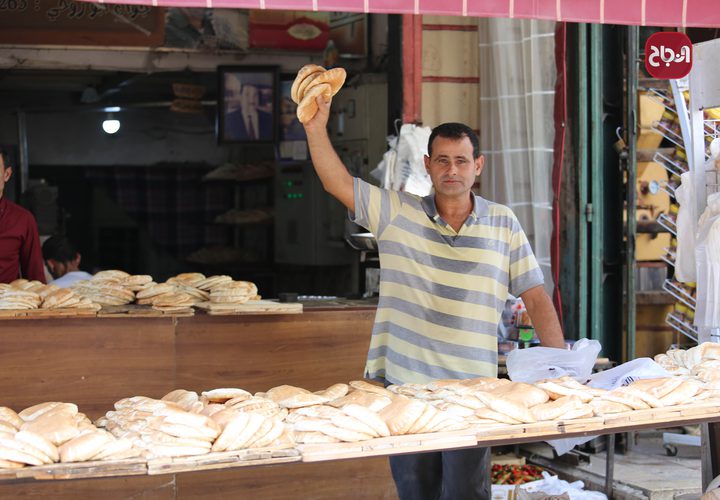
point(95, 361)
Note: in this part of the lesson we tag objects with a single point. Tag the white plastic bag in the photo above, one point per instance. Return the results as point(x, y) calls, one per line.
point(627, 373)
point(538, 363)
point(403, 166)
point(707, 312)
point(553, 485)
point(685, 256)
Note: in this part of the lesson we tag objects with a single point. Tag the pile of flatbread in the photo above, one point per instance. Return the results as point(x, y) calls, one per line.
point(55, 432)
point(24, 294)
point(226, 294)
point(112, 287)
point(184, 424)
point(12, 298)
point(357, 412)
point(702, 361)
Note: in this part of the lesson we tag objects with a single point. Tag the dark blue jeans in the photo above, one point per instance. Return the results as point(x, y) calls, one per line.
point(443, 475)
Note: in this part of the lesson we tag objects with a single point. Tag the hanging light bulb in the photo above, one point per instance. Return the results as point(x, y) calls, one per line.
point(111, 124)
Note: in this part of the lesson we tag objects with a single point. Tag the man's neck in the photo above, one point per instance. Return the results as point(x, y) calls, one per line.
point(453, 207)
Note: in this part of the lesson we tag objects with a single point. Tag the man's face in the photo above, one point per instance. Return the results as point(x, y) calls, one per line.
point(249, 98)
point(233, 93)
point(452, 167)
point(5, 174)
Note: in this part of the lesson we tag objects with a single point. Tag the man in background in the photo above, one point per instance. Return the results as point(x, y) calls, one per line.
point(19, 240)
point(245, 119)
point(63, 261)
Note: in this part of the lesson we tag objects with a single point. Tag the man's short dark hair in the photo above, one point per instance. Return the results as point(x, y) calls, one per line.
point(59, 248)
point(456, 131)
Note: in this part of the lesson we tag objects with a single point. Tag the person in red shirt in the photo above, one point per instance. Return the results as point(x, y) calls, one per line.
point(20, 254)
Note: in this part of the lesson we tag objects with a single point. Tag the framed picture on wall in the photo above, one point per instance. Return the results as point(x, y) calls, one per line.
point(248, 102)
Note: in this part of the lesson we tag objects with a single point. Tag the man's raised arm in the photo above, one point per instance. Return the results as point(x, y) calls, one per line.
point(332, 172)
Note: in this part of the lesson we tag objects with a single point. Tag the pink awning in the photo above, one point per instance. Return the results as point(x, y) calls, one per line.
point(675, 13)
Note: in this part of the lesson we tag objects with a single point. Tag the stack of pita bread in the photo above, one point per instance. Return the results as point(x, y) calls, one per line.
point(165, 297)
point(226, 295)
point(160, 428)
point(701, 360)
point(55, 432)
point(24, 294)
point(112, 287)
point(183, 424)
point(357, 412)
point(186, 283)
point(16, 299)
point(313, 81)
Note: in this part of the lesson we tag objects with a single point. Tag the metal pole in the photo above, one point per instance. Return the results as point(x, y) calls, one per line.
point(23, 161)
point(633, 48)
point(595, 209)
point(610, 465)
point(582, 155)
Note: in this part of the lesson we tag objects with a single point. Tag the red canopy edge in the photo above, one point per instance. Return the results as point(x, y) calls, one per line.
point(673, 13)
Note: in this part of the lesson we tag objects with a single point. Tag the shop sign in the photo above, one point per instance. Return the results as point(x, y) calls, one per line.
point(668, 55)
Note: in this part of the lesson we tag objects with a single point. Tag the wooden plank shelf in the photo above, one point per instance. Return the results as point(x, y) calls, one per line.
point(481, 435)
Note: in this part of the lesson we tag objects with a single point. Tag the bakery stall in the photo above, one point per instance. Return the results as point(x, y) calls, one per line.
point(95, 361)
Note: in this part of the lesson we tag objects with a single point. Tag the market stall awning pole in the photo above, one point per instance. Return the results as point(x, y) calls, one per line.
point(675, 13)
point(412, 68)
point(632, 55)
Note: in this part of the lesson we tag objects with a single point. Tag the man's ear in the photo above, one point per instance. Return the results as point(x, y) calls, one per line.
point(77, 259)
point(427, 163)
point(479, 165)
point(8, 174)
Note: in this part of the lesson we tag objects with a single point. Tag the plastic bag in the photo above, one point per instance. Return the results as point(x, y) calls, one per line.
point(538, 363)
point(627, 373)
point(403, 165)
point(553, 485)
point(685, 256)
point(562, 446)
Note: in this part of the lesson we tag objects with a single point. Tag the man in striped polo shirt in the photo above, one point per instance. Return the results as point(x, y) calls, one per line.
point(448, 262)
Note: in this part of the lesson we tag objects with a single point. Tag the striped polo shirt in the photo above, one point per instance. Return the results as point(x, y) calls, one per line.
point(441, 292)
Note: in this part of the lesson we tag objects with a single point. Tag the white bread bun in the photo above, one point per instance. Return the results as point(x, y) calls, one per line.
point(84, 447)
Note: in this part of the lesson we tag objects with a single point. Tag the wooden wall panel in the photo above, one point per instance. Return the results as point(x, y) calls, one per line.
point(88, 361)
point(363, 478)
point(121, 488)
point(312, 350)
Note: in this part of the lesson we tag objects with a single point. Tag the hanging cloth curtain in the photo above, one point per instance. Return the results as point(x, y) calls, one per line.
point(517, 95)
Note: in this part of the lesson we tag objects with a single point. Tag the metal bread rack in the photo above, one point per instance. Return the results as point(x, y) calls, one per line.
point(665, 221)
point(670, 287)
point(682, 326)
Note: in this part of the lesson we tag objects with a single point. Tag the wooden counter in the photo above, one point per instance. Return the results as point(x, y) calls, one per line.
point(96, 361)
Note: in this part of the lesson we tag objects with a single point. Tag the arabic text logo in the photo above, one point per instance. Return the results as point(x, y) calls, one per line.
point(668, 55)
